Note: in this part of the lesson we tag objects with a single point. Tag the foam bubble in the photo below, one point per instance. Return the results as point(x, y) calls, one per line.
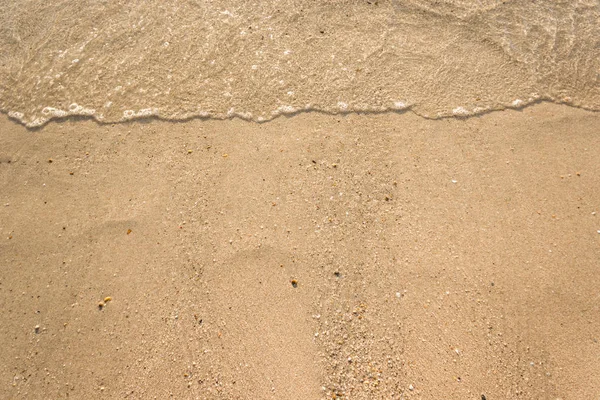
point(87, 111)
point(245, 115)
point(284, 110)
point(460, 111)
point(54, 112)
point(73, 109)
point(38, 122)
point(16, 115)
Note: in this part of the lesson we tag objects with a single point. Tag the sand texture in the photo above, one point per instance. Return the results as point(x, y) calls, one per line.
point(313, 257)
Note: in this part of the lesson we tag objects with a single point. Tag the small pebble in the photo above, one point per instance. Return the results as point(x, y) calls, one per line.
point(411, 387)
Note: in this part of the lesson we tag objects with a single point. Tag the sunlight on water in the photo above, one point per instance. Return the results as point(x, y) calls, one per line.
point(223, 59)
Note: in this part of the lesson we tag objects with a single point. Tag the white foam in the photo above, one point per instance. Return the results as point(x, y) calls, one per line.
point(460, 111)
point(54, 112)
point(16, 115)
point(245, 115)
point(284, 110)
point(144, 112)
point(38, 122)
point(48, 113)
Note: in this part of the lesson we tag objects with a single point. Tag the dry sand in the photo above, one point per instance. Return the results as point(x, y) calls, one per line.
point(448, 259)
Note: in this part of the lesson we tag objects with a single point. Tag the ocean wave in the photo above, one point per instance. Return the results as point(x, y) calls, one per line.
point(230, 59)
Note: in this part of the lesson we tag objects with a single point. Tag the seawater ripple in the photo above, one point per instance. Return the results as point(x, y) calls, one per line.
point(120, 61)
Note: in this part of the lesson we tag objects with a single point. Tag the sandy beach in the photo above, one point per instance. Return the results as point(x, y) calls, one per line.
point(358, 256)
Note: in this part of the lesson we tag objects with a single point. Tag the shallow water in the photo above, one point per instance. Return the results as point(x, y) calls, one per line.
point(120, 60)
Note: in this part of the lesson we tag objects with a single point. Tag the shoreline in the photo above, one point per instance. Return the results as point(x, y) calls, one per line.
point(148, 115)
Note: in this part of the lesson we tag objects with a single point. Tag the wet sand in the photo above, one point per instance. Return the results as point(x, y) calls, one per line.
point(358, 256)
